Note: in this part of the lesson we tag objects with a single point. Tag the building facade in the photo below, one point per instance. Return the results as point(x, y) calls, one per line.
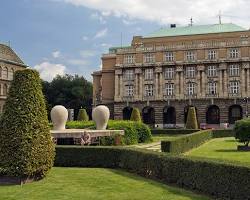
point(9, 63)
point(165, 73)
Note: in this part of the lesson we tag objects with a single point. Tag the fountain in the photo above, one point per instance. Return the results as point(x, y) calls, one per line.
point(100, 115)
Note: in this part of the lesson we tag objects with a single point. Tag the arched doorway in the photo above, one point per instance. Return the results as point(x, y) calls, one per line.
point(169, 115)
point(148, 115)
point(234, 113)
point(186, 108)
point(213, 115)
point(126, 112)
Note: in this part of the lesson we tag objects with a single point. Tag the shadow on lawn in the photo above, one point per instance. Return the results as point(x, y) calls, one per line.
point(227, 150)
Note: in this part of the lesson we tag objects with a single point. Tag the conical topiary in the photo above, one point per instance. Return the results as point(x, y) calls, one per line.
point(192, 122)
point(26, 148)
point(82, 115)
point(135, 115)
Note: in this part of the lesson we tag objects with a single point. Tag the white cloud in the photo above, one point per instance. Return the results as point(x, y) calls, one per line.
point(98, 17)
point(80, 62)
point(49, 70)
point(87, 53)
point(101, 33)
point(85, 38)
point(172, 11)
point(56, 54)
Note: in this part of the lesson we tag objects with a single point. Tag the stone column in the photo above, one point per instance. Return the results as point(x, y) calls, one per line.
point(160, 95)
point(225, 84)
point(220, 83)
point(204, 82)
point(177, 86)
point(121, 86)
point(248, 82)
point(138, 73)
point(116, 86)
point(242, 82)
point(179, 69)
point(156, 86)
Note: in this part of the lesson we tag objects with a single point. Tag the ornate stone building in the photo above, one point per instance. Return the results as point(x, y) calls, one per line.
point(162, 74)
point(9, 63)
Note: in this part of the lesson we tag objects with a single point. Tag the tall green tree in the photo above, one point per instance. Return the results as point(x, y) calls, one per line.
point(70, 91)
point(26, 148)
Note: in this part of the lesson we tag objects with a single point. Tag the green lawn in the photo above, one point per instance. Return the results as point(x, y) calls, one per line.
point(222, 149)
point(94, 184)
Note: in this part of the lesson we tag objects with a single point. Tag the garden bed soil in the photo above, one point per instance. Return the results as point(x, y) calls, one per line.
point(243, 148)
point(10, 180)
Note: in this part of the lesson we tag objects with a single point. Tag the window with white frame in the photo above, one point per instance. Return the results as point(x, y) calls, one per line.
point(149, 74)
point(129, 59)
point(129, 89)
point(234, 70)
point(211, 54)
point(191, 88)
point(190, 72)
point(129, 74)
point(11, 74)
point(234, 87)
point(190, 56)
point(169, 56)
point(211, 71)
point(149, 58)
point(234, 53)
point(169, 73)
point(149, 90)
point(212, 87)
point(169, 89)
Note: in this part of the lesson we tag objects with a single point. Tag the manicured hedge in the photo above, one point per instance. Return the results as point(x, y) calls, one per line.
point(221, 180)
point(134, 131)
point(219, 133)
point(173, 131)
point(187, 142)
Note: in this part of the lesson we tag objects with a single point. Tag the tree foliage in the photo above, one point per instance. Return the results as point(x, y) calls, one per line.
point(26, 148)
point(192, 122)
point(135, 115)
point(242, 130)
point(70, 91)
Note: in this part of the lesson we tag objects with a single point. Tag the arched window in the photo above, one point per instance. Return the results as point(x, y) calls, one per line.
point(5, 89)
point(5, 73)
point(234, 114)
point(213, 115)
point(127, 113)
point(148, 115)
point(11, 72)
point(169, 115)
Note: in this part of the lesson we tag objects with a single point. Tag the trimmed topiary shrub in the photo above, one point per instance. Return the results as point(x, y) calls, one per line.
point(192, 122)
point(242, 131)
point(82, 115)
point(135, 115)
point(144, 132)
point(173, 131)
point(80, 124)
point(26, 148)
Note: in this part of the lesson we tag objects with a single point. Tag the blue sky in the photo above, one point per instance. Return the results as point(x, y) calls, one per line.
point(69, 36)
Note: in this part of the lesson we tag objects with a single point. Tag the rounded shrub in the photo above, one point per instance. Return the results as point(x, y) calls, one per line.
point(192, 122)
point(143, 131)
point(135, 115)
point(242, 131)
point(82, 115)
point(26, 148)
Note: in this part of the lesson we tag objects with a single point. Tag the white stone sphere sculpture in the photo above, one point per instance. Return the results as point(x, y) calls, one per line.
point(100, 115)
point(59, 116)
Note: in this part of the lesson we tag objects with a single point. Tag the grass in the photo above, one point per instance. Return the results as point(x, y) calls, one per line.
point(94, 184)
point(222, 149)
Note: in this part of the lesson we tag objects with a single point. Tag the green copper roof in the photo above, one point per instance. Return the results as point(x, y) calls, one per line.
point(195, 30)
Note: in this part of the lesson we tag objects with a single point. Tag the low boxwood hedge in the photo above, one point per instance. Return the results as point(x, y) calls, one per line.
point(173, 131)
point(184, 143)
point(221, 180)
point(219, 133)
point(135, 132)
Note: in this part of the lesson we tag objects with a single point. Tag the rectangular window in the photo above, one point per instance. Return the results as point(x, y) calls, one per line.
point(169, 89)
point(129, 74)
point(234, 70)
point(211, 71)
point(212, 87)
point(169, 56)
point(169, 73)
point(129, 59)
point(129, 90)
point(149, 58)
point(234, 53)
point(190, 56)
point(234, 87)
point(190, 72)
point(211, 54)
point(191, 88)
point(149, 74)
point(149, 90)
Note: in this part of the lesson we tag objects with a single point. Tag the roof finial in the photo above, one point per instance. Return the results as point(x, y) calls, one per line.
point(191, 21)
point(219, 17)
